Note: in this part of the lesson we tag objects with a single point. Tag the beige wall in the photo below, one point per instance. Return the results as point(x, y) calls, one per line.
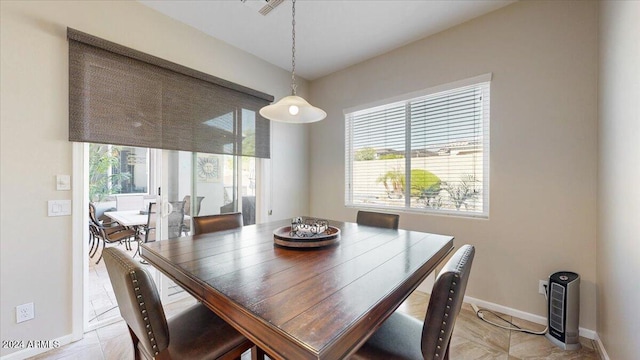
point(543, 56)
point(36, 261)
point(618, 259)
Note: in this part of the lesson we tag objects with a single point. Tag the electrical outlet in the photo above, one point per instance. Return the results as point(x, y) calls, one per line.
point(542, 285)
point(24, 312)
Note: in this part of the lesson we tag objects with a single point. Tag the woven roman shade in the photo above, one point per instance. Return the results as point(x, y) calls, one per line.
point(122, 96)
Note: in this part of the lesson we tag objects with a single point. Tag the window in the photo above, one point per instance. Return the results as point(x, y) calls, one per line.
point(441, 135)
point(115, 169)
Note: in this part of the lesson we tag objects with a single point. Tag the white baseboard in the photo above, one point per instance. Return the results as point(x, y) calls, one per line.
point(587, 333)
point(601, 349)
point(33, 351)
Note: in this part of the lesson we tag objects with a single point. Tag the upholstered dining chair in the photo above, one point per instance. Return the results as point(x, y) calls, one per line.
point(403, 337)
point(108, 234)
point(382, 220)
point(196, 333)
point(213, 223)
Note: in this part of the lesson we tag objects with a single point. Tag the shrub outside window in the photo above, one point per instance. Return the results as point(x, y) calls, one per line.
point(116, 170)
point(426, 151)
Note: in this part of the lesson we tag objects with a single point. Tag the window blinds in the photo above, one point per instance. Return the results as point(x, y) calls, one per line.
point(376, 148)
point(429, 152)
point(121, 96)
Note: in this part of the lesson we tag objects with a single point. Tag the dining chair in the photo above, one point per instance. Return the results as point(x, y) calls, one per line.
point(108, 234)
point(213, 223)
point(196, 333)
point(382, 220)
point(404, 337)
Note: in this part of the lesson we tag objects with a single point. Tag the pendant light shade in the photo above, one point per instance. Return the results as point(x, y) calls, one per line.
point(293, 109)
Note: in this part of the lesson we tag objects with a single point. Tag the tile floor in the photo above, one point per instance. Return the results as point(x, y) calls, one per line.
point(472, 338)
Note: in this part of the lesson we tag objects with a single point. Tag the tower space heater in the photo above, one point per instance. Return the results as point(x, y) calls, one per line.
point(564, 310)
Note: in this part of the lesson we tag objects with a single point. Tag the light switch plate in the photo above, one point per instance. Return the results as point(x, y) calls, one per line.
point(59, 207)
point(63, 182)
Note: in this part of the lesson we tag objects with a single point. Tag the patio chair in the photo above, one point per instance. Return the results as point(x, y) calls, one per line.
point(108, 234)
point(186, 223)
point(103, 220)
point(196, 333)
point(404, 337)
point(123, 236)
point(175, 219)
point(148, 232)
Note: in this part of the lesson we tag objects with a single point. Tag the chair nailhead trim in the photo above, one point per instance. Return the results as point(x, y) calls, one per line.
point(452, 290)
point(143, 311)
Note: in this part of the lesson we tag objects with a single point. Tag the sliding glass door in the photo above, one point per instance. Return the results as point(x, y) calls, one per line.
point(199, 184)
point(173, 201)
point(225, 184)
point(180, 185)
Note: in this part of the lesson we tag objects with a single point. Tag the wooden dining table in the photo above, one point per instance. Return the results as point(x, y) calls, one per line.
point(320, 303)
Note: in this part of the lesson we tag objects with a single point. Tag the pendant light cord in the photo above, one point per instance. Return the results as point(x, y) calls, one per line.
point(293, 49)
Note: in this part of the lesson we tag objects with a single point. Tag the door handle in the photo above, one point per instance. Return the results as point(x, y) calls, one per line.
point(167, 208)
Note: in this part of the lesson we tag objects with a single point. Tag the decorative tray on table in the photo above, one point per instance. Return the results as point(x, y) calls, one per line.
point(306, 233)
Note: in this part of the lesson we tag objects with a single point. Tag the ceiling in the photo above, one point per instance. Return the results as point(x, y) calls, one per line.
point(330, 35)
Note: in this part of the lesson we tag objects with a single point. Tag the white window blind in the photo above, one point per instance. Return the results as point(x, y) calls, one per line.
point(428, 152)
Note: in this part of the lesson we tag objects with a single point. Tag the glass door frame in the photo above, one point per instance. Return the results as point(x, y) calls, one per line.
point(161, 176)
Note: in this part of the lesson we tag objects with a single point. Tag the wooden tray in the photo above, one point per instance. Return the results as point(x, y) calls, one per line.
point(282, 237)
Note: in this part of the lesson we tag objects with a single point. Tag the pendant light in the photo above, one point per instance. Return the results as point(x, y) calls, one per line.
point(293, 109)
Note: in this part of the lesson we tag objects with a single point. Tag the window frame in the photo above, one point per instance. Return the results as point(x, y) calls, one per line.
point(482, 81)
